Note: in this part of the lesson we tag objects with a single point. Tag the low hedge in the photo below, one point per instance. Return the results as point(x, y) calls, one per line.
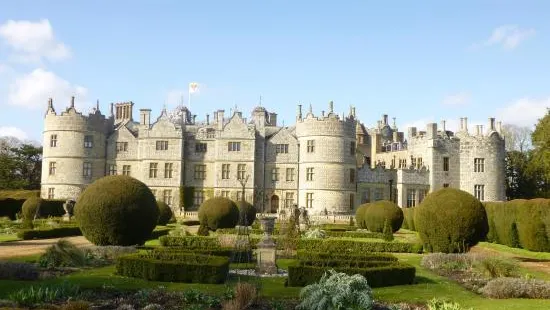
point(190, 222)
point(235, 231)
point(59, 232)
point(337, 227)
point(235, 256)
point(198, 242)
point(353, 246)
point(355, 234)
point(307, 255)
point(159, 232)
point(377, 276)
point(186, 267)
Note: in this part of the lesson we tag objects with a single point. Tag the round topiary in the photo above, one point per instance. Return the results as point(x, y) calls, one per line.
point(31, 208)
point(450, 221)
point(247, 213)
point(165, 213)
point(378, 212)
point(360, 215)
point(117, 210)
point(218, 212)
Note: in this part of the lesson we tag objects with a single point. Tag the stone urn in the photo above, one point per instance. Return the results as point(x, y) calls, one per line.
point(266, 248)
point(68, 206)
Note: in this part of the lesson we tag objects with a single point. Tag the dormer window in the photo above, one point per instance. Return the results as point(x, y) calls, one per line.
point(162, 145)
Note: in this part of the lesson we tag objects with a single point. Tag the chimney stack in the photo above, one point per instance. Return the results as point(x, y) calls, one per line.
point(299, 112)
point(72, 102)
point(207, 119)
point(220, 119)
point(412, 132)
point(492, 124)
point(331, 107)
point(431, 130)
point(353, 111)
point(145, 117)
point(443, 128)
point(385, 117)
point(466, 124)
point(499, 127)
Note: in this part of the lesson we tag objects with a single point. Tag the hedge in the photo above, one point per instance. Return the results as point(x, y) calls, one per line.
point(159, 232)
point(307, 255)
point(388, 275)
point(520, 223)
point(235, 231)
point(236, 256)
point(190, 222)
point(199, 242)
point(355, 234)
point(186, 267)
point(59, 232)
point(357, 247)
point(50, 207)
point(337, 227)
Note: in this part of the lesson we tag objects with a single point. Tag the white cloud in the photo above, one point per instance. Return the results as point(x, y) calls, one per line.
point(33, 90)
point(32, 41)
point(10, 131)
point(524, 112)
point(457, 99)
point(509, 36)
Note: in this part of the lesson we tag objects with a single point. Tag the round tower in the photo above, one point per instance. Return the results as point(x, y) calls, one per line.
point(73, 151)
point(482, 162)
point(327, 165)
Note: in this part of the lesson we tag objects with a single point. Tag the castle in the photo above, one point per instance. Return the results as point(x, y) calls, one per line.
point(329, 164)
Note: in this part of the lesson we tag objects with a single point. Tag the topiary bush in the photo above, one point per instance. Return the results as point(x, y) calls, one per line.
point(360, 216)
point(117, 210)
point(450, 221)
point(218, 212)
point(377, 213)
point(30, 208)
point(165, 213)
point(247, 213)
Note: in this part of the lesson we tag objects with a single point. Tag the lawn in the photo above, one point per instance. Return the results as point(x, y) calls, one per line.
point(8, 237)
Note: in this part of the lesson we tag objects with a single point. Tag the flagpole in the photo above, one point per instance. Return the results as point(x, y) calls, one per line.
point(189, 100)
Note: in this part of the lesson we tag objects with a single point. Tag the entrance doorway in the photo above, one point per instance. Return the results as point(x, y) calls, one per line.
point(274, 204)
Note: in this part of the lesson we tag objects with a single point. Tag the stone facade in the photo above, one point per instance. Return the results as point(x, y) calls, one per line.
point(329, 163)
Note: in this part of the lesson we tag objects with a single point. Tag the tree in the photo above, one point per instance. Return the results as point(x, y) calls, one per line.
point(20, 164)
point(520, 182)
point(539, 164)
point(517, 138)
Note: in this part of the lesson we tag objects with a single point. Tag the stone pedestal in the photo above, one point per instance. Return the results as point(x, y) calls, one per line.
point(266, 249)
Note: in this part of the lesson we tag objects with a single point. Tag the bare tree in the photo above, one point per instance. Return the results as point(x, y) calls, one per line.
point(243, 182)
point(518, 138)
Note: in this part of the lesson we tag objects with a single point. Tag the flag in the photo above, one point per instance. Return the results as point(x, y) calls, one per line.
point(193, 87)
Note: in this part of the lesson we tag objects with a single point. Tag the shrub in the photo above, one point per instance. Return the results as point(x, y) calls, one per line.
point(11, 206)
point(246, 295)
point(377, 213)
point(438, 304)
point(379, 257)
point(408, 219)
point(388, 234)
point(360, 216)
point(218, 212)
point(60, 232)
point(203, 231)
point(514, 236)
point(386, 274)
point(447, 262)
point(165, 213)
point(110, 252)
point(516, 288)
point(62, 254)
point(31, 207)
point(159, 232)
point(498, 267)
point(450, 220)
point(190, 222)
point(531, 217)
point(43, 294)
point(356, 247)
point(337, 291)
point(247, 213)
point(117, 210)
point(354, 234)
point(187, 268)
point(17, 271)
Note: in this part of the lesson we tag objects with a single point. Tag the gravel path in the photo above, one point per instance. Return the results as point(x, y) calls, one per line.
point(31, 247)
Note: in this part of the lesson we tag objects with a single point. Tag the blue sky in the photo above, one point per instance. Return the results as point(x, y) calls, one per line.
point(418, 61)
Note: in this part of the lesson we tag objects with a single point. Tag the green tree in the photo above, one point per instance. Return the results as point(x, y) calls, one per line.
point(539, 165)
point(20, 164)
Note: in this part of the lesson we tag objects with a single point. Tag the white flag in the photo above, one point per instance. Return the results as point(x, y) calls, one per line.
point(193, 87)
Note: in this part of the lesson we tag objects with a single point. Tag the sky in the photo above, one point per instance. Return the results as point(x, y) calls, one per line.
point(418, 61)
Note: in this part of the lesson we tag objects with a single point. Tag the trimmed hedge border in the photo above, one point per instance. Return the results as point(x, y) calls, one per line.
point(235, 231)
point(50, 207)
point(204, 242)
point(337, 227)
point(159, 232)
point(236, 256)
point(59, 232)
point(306, 255)
point(190, 222)
point(354, 234)
point(394, 274)
point(186, 268)
point(357, 247)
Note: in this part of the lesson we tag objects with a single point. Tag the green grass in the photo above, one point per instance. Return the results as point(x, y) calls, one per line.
point(514, 251)
point(8, 237)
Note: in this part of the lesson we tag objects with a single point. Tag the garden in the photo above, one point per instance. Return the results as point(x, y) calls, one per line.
point(451, 252)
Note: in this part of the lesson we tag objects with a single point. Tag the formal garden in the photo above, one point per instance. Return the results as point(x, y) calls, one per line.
point(118, 248)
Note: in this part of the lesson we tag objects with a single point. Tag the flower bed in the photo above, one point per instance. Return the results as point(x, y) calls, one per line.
point(307, 255)
point(355, 234)
point(172, 267)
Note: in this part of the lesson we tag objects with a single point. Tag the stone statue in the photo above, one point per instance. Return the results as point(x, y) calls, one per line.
point(68, 206)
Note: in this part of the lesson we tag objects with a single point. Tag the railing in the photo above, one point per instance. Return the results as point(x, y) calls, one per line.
point(320, 219)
